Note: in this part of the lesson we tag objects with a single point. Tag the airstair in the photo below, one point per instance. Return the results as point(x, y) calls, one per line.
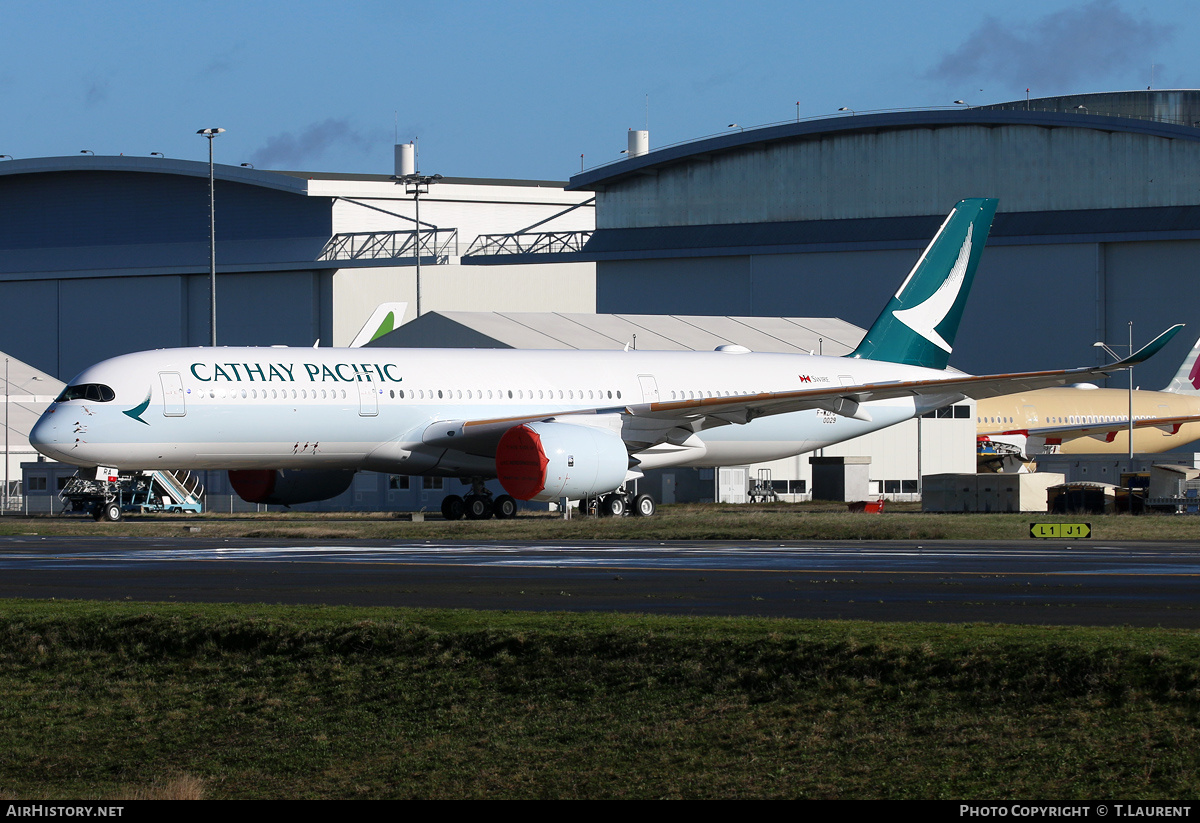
point(763, 490)
point(143, 492)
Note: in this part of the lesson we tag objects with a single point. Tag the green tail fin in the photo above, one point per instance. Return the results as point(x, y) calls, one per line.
point(920, 322)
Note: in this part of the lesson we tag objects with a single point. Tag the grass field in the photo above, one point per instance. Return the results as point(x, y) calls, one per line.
point(113, 701)
point(107, 701)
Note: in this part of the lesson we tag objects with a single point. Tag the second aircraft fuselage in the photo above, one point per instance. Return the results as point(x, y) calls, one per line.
point(1076, 406)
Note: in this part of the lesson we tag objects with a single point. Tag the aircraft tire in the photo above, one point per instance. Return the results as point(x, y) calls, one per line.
point(643, 506)
point(478, 507)
point(112, 512)
point(504, 507)
point(453, 507)
point(614, 505)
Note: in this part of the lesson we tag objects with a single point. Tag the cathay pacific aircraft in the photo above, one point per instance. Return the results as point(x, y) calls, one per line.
point(292, 425)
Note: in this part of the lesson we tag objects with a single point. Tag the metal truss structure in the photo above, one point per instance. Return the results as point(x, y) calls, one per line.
point(537, 242)
point(440, 244)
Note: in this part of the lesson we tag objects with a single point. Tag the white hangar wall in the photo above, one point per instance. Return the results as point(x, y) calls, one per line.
point(363, 203)
point(568, 287)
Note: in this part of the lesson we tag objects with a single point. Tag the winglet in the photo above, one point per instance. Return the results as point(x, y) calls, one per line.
point(1149, 350)
point(918, 325)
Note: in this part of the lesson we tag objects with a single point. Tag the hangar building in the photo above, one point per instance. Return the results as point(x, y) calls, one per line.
point(105, 255)
point(1098, 222)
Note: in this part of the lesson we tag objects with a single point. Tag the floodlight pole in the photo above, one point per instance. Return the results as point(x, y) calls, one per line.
point(417, 184)
point(1116, 356)
point(1131, 398)
point(6, 404)
point(212, 236)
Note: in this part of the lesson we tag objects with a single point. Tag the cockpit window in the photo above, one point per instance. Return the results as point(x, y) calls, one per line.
point(96, 392)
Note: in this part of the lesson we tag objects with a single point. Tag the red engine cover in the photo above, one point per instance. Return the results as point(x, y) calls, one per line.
point(253, 485)
point(289, 487)
point(521, 463)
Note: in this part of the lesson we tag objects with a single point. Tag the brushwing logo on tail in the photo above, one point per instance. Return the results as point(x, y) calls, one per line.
point(925, 317)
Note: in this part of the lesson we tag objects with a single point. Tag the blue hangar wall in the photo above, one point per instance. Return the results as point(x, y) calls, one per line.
point(1098, 225)
point(105, 255)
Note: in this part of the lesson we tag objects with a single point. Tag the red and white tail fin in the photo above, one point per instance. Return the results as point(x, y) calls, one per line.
point(1187, 379)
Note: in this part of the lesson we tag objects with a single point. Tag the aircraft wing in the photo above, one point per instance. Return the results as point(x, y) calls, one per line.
point(650, 423)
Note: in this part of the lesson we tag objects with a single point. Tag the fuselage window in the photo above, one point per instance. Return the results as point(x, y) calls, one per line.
point(618, 394)
point(510, 394)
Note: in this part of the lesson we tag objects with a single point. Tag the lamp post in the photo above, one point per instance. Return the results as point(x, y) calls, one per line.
point(417, 184)
point(212, 236)
point(6, 461)
point(1115, 356)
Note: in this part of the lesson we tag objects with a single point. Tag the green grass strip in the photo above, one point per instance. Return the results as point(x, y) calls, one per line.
point(103, 700)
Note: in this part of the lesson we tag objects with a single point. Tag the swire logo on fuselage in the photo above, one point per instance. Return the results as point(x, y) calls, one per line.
point(286, 372)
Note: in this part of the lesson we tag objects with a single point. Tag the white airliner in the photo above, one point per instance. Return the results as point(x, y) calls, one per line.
point(294, 424)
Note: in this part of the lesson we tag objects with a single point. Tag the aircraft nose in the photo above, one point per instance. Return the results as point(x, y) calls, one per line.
point(52, 435)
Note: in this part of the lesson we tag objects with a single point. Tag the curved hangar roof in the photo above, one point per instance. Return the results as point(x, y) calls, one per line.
point(901, 164)
point(154, 165)
point(88, 214)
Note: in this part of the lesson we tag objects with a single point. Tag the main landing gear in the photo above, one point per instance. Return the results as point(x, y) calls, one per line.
point(479, 504)
point(620, 503)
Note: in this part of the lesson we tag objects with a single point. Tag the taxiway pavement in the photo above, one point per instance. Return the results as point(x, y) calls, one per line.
point(1147, 584)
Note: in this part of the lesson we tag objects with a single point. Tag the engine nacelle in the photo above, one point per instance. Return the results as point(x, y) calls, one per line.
point(546, 461)
point(287, 487)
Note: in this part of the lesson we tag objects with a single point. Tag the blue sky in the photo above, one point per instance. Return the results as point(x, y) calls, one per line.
point(522, 89)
